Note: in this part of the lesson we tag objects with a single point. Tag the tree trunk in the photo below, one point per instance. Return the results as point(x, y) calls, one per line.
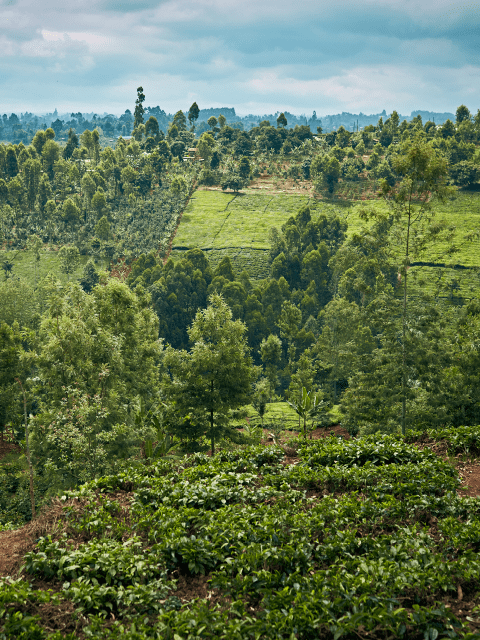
point(30, 468)
point(404, 332)
point(212, 437)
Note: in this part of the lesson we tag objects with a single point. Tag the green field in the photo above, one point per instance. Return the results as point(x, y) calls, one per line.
point(447, 283)
point(275, 412)
point(463, 211)
point(24, 265)
point(222, 224)
point(216, 220)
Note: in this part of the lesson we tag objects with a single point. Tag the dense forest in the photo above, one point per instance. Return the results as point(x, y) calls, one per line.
point(342, 314)
point(124, 363)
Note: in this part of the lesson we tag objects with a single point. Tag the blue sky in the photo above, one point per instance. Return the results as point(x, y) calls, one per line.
point(258, 56)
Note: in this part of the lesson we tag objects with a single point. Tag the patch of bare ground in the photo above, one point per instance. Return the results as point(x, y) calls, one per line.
point(198, 587)
point(52, 521)
point(267, 183)
point(467, 468)
point(15, 544)
point(469, 472)
point(281, 185)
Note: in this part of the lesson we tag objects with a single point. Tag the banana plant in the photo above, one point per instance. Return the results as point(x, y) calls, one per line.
point(307, 406)
point(162, 443)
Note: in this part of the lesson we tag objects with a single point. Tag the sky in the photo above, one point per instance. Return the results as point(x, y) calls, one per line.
point(259, 56)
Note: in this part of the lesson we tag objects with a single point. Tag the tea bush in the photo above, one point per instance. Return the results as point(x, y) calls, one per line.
point(362, 537)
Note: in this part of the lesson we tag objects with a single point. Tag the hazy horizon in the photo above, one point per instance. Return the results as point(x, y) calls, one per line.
point(297, 113)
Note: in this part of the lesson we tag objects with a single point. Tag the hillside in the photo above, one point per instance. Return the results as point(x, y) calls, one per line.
point(223, 224)
point(363, 538)
point(237, 226)
point(155, 307)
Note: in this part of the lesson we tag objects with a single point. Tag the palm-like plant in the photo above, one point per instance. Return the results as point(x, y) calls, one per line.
point(307, 406)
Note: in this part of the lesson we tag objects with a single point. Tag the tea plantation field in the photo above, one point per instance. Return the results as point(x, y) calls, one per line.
point(25, 266)
point(363, 538)
point(223, 224)
point(462, 211)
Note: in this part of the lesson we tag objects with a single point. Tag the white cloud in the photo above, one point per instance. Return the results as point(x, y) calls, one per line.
point(372, 88)
point(254, 56)
point(7, 46)
point(94, 41)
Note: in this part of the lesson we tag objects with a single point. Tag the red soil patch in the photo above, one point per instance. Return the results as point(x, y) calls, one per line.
point(15, 544)
point(320, 432)
point(120, 270)
point(337, 430)
point(193, 587)
point(467, 468)
point(469, 472)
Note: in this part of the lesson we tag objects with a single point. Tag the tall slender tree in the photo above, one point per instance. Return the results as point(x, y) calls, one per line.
point(193, 114)
point(422, 182)
point(139, 110)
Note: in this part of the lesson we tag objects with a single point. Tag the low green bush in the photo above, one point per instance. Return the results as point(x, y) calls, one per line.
point(363, 534)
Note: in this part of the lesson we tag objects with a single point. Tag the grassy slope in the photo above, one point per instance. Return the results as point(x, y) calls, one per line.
point(237, 226)
point(223, 224)
point(464, 213)
point(24, 265)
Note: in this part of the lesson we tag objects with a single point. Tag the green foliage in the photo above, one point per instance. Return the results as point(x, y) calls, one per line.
point(464, 173)
point(305, 406)
point(460, 440)
point(371, 450)
point(301, 254)
point(328, 175)
point(90, 277)
point(77, 444)
point(244, 168)
point(139, 110)
point(178, 290)
point(193, 114)
point(233, 182)
point(99, 352)
point(381, 541)
point(14, 366)
point(260, 397)
point(102, 229)
point(69, 259)
point(343, 343)
point(271, 354)
point(215, 377)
